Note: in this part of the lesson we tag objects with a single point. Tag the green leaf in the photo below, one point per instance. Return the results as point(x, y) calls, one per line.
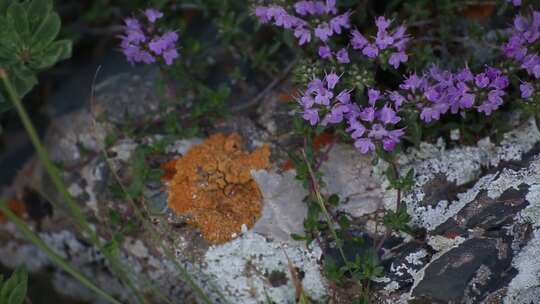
point(23, 81)
point(66, 47)
point(333, 200)
point(18, 294)
point(18, 20)
point(47, 32)
point(18, 277)
point(38, 12)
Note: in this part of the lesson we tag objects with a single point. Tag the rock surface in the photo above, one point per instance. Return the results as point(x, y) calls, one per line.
point(475, 211)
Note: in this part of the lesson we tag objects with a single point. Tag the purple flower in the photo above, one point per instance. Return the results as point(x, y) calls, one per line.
point(373, 96)
point(364, 145)
point(305, 8)
point(397, 98)
point(367, 114)
point(303, 34)
point(526, 89)
point(399, 33)
point(323, 97)
point(311, 115)
point(389, 144)
point(428, 114)
point(493, 102)
point(262, 13)
point(383, 40)
point(412, 83)
point(382, 23)
point(160, 44)
point(388, 116)
point(344, 97)
point(152, 14)
point(323, 31)
point(397, 58)
point(142, 45)
point(306, 101)
point(325, 52)
point(339, 22)
point(336, 114)
point(342, 56)
point(500, 82)
point(358, 41)
point(465, 75)
point(315, 85)
point(371, 51)
point(515, 2)
point(378, 132)
point(331, 80)
point(170, 55)
point(132, 24)
point(481, 80)
point(466, 100)
point(356, 129)
point(330, 7)
point(432, 94)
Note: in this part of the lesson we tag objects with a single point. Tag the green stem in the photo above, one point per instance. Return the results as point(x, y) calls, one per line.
point(321, 202)
point(54, 174)
point(55, 258)
point(42, 153)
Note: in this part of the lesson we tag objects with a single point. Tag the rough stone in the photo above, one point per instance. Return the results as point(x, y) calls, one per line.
point(239, 269)
point(283, 207)
point(447, 278)
point(348, 173)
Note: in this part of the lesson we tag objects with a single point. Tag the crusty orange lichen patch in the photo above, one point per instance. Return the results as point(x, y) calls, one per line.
point(214, 189)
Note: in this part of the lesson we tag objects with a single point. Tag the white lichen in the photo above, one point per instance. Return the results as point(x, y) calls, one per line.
point(240, 269)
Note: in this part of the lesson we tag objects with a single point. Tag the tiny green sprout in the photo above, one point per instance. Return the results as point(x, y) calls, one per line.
point(29, 45)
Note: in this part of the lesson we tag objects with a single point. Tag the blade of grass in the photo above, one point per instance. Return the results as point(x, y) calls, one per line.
point(55, 258)
point(79, 219)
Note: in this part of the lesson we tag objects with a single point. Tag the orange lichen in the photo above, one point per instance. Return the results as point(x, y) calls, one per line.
point(214, 189)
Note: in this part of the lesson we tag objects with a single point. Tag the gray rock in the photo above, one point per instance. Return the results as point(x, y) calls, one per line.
point(136, 99)
point(477, 264)
point(349, 174)
point(283, 207)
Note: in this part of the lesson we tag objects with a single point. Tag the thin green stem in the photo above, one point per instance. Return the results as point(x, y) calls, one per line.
point(42, 153)
point(321, 201)
point(54, 174)
point(55, 258)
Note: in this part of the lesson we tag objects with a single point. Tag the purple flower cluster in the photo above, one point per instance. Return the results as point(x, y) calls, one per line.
point(323, 29)
point(440, 91)
point(367, 125)
point(324, 22)
point(523, 35)
point(312, 19)
point(515, 2)
point(144, 44)
point(395, 41)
